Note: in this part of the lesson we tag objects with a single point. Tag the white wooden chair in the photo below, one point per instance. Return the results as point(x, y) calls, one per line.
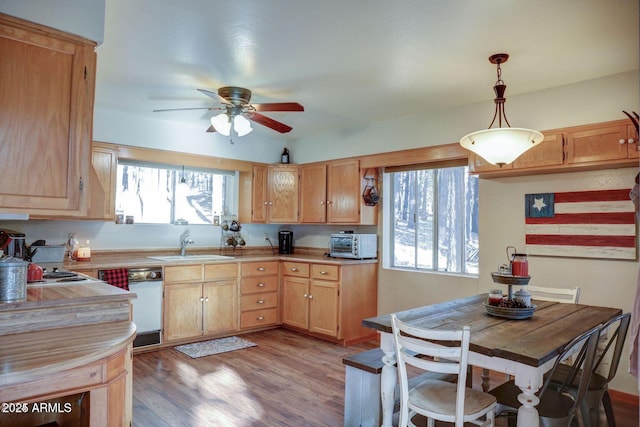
point(436, 399)
point(541, 293)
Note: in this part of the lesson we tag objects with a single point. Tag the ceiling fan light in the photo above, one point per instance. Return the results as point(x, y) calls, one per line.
point(501, 146)
point(241, 125)
point(222, 123)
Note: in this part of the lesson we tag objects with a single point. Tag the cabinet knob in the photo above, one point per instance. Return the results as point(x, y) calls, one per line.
point(201, 299)
point(306, 295)
point(310, 296)
point(631, 140)
point(321, 202)
point(270, 203)
point(329, 202)
point(294, 269)
point(260, 318)
point(260, 268)
point(266, 203)
point(260, 285)
point(260, 301)
point(622, 141)
point(206, 299)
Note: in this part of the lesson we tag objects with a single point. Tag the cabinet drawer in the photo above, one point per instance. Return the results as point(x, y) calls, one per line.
point(220, 271)
point(257, 318)
point(297, 269)
point(259, 268)
point(258, 284)
point(325, 272)
point(183, 273)
point(258, 301)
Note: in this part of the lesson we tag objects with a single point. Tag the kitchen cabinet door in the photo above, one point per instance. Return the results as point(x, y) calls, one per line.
point(633, 148)
point(283, 194)
point(295, 302)
point(313, 193)
point(220, 306)
point(323, 307)
point(597, 144)
point(259, 194)
point(550, 152)
point(102, 199)
point(47, 78)
point(182, 311)
point(344, 192)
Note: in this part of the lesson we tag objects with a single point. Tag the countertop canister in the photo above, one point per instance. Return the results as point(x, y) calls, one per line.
point(13, 279)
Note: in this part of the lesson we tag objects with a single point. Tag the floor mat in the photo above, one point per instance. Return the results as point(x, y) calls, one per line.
point(207, 348)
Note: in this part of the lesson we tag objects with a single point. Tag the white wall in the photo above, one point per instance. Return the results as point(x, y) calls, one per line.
point(84, 18)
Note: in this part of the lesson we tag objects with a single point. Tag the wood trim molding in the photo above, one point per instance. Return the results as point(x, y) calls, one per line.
point(415, 156)
point(177, 158)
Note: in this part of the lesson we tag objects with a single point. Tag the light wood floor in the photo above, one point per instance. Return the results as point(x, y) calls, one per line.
point(287, 380)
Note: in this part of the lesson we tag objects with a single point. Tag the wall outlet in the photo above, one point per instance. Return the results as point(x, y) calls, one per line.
point(266, 236)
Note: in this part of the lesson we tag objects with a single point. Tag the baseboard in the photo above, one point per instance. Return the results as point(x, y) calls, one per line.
point(627, 398)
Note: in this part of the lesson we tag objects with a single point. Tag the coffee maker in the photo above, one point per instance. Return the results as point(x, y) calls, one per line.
point(285, 242)
point(16, 244)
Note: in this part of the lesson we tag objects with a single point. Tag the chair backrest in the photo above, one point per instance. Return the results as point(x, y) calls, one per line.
point(442, 351)
point(554, 294)
point(583, 350)
point(616, 333)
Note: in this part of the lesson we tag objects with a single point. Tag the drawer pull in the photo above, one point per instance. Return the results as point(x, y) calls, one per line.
point(260, 301)
point(260, 268)
point(324, 272)
point(260, 318)
point(294, 269)
point(260, 285)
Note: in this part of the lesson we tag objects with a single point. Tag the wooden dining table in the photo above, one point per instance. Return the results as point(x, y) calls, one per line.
point(524, 349)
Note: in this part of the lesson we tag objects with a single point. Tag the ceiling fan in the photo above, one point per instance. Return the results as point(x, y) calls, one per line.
point(237, 112)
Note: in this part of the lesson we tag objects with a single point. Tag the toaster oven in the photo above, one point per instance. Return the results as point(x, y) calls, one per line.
point(353, 245)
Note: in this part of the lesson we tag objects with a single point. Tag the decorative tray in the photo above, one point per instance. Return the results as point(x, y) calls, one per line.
point(508, 279)
point(509, 313)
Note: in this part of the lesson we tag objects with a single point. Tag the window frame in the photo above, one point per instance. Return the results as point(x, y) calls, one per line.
point(389, 213)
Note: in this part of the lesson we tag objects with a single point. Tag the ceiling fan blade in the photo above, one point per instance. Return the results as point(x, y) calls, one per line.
point(214, 96)
point(278, 106)
point(211, 129)
point(184, 109)
point(268, 122)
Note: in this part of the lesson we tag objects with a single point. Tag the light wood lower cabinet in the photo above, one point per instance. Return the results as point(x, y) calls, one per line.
point(258, 294)
point(328, 300)
point(200, 300)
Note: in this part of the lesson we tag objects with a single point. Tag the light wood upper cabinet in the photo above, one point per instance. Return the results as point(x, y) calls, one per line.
point(343, 191)
point(274, 194)
point(597, 143)
point(550, 152)
point(596, 146)
point(313, 193)
point(104, 172)
point(47, 82)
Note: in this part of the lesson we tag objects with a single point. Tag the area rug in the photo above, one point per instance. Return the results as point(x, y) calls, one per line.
point(207, 348)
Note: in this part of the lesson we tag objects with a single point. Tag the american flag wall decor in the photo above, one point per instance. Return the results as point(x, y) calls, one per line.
point(585, 224)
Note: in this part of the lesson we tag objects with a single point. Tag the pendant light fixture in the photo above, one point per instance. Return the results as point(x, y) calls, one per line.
point(501, 145)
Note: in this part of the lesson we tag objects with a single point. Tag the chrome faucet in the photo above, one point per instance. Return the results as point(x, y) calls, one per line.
point(183, 246)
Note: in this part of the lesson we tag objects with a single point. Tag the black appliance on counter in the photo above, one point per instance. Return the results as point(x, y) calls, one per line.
point(285, 242)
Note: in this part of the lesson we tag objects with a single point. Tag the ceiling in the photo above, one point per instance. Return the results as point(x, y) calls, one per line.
point(352, 62)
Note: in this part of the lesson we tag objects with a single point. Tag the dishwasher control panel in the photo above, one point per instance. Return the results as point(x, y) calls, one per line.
point(145, 274)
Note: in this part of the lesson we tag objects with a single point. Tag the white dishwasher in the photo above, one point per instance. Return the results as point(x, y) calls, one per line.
point(146, 283)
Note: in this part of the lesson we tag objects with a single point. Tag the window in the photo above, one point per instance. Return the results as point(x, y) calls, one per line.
point(435, 220)
point(162, 194)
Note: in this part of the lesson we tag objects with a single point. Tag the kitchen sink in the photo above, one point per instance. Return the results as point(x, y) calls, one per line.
point(190, 257)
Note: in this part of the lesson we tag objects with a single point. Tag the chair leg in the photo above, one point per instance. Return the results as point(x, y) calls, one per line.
point(608, 409)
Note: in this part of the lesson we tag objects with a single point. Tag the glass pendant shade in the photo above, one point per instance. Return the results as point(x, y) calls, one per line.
point(241, 125)
point(501, 146)
point(222, 123)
